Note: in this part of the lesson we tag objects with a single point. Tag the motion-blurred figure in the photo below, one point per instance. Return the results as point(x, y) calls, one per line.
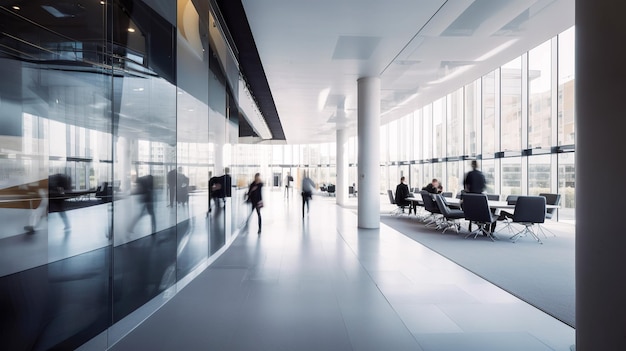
point(307, 193)
point(255, 198)
point(144, 190)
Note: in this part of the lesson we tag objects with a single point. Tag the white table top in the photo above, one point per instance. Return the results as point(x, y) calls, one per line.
point(492, 204)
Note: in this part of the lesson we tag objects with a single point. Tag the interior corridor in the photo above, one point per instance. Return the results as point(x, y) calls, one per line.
point(320, 283)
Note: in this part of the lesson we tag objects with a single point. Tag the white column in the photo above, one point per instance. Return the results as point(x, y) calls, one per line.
point(342, 167)
point(369, 157)
point(600, 239)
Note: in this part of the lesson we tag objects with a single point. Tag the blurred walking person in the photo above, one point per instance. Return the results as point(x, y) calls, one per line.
point(255, 198)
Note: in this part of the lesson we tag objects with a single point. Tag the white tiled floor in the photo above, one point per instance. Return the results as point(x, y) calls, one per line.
point(323, 284)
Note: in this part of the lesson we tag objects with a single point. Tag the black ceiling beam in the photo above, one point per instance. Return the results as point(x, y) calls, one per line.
point(250, 63)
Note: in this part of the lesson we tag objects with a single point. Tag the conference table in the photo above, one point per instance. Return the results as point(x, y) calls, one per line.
point(456, 203)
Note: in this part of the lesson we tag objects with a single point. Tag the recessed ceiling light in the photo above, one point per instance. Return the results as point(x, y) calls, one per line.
point(131, 30)
point(16, 7)
point(102, 2)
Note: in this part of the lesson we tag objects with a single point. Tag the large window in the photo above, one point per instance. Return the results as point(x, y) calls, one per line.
point(454, 125)
point(489, 113)
point(540, 96)
point(511, 105)
point(566, 99)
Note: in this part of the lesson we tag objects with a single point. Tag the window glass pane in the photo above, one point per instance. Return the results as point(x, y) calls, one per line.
point(393, 141)
point(511, 176)
point(418, 145)
point(488, 167)
point(539, 170)
point(511, 105)
point(454, 179)
point(489, 114)
point(454, 128)
point(439, 119)
point(540, 96)
point(472, 118)
point(384, 143)
point(566, 88)
point(567, 186)
point(427, 131)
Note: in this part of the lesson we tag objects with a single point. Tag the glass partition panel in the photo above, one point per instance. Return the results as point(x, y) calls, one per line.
point(144, 108)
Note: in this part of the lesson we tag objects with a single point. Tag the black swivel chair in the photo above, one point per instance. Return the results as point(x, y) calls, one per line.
point(400, 208)
point(507, 216)
point(551, 199)
point(451, 216)
point(529, 210)
point(434, 219)
point(330, 190)
point(476, 210)
point(447, 194)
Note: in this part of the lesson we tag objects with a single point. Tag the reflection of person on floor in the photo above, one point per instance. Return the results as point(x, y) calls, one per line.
point(182, 187)
point(171, 186)
point(255, 198)
point(143, 189)
point(307, 193)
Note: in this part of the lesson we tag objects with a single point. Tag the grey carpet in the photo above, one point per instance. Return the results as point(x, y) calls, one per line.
point(542, 275)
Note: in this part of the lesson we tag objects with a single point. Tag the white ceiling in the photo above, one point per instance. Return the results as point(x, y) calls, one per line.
point(313, 52)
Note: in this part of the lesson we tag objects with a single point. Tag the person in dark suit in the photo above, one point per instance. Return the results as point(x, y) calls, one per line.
point(144, 190)
point(433, 187)
point(402, 192)
point(307, 193)
point(474, 181)
point(171, 186)
point(182, 187)
point(255, 198)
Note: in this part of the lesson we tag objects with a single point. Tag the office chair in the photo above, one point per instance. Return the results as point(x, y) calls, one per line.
point(529, 210)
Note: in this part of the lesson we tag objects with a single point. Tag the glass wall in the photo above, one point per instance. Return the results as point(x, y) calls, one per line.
point(113, 120)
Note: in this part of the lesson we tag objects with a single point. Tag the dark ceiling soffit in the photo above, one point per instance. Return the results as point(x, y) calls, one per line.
point(250, 63)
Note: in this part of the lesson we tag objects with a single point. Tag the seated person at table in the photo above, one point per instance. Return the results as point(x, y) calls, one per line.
point(433, 187)
point(402, 192)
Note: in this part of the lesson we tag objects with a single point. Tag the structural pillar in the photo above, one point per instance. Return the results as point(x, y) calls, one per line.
point(369, 152)
point(342, 167)
point(600, 239)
